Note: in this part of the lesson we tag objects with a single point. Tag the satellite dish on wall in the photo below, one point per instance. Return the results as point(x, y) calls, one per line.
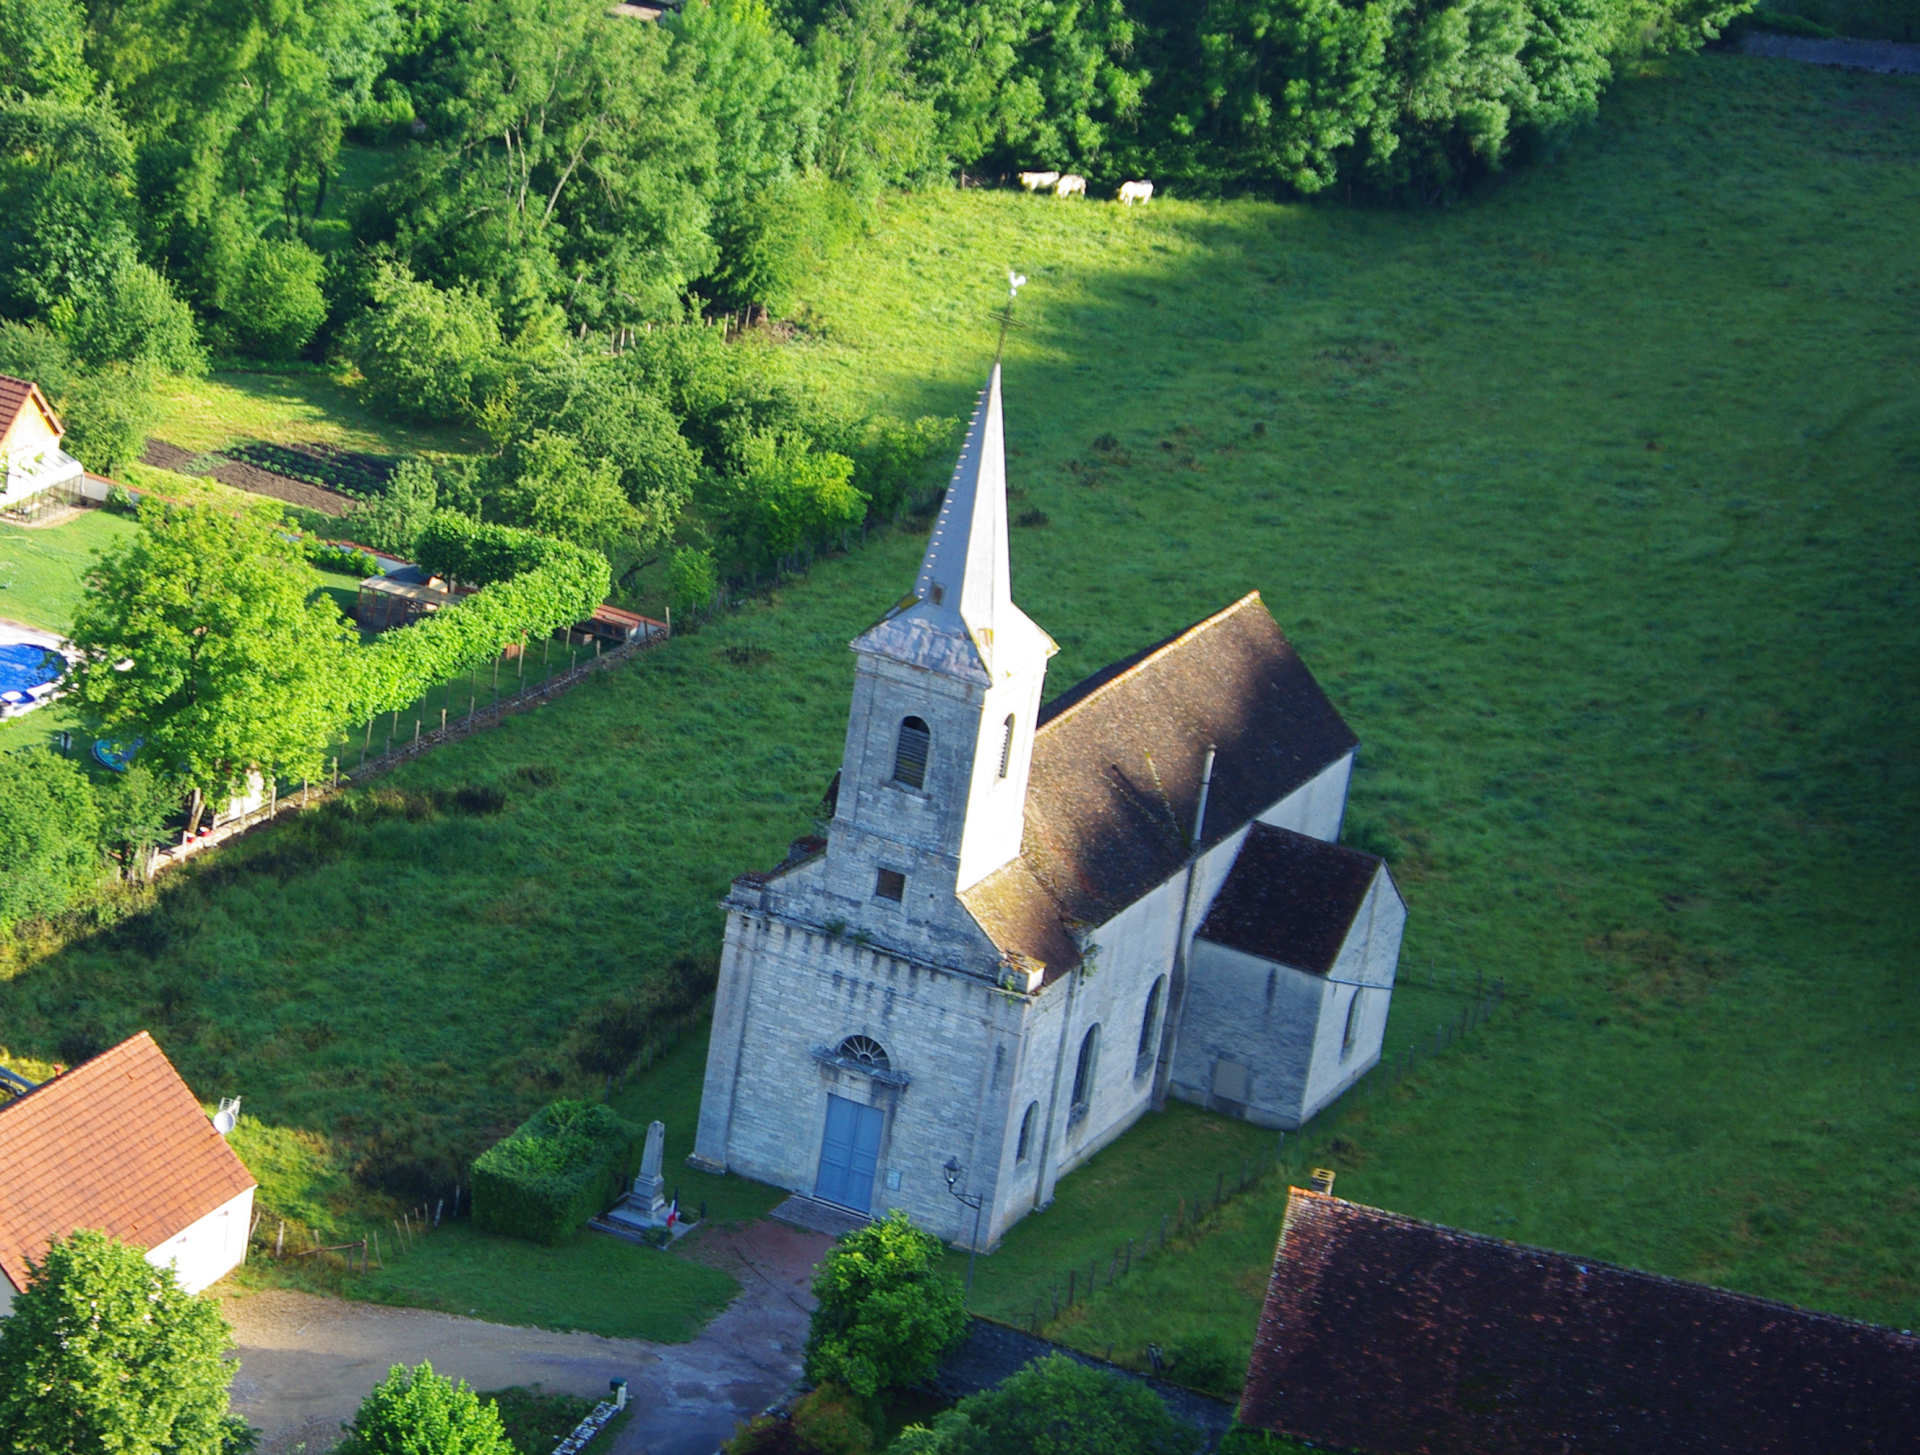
point(228, 1117)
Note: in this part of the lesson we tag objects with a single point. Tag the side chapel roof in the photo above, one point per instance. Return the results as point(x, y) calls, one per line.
point(1290, 898)
point(118, 1144)
point(1116, 773)
point(1386, 1335)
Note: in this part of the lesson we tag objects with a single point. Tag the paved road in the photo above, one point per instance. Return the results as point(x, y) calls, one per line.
point(306, 1362)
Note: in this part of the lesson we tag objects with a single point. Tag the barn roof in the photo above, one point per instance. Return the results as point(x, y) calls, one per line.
point(1390, 1336)
point(1290, 898)
point(1117, 763)
point(15, 396)
point(117, 1144)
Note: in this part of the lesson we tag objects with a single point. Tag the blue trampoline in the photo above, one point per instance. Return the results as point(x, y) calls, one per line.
point(25, 665)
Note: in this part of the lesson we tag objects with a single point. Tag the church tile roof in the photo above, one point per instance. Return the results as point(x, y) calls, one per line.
point(1390, 1336)
point(1117, 762)
point(118, 1144)
point(1290, 898)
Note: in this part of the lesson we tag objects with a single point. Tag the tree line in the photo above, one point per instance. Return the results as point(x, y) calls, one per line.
point(509, 213)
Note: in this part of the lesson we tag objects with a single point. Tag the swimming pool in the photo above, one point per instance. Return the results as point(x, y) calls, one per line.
point(26, 665)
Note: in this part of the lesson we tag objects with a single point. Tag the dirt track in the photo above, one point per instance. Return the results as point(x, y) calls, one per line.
point(306, 1362)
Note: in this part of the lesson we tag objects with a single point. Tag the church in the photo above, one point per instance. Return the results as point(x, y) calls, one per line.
point(1031, 921)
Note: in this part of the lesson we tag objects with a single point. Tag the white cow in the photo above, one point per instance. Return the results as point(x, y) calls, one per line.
point(1071, 185)
point(1034, 181)
point(1132, 192)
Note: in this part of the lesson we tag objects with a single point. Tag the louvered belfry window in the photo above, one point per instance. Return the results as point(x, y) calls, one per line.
point(910, 753)
point(1006, 747)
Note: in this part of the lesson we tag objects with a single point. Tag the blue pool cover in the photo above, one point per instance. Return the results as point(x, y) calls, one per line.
point(24, 665)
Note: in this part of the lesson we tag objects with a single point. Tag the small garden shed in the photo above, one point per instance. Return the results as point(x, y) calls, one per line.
point(121, 1145)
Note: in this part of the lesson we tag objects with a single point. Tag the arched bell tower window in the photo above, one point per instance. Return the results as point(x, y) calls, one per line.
point(864, 1051)
point(1006, 747)
point(1352, 1031)
point(910, 753)
point(1025, 1148)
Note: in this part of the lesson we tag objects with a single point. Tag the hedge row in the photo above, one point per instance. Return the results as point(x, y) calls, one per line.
point(568, 1162)
point(530, 585)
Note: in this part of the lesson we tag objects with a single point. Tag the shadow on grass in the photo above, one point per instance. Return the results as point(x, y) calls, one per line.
point(596, 1284)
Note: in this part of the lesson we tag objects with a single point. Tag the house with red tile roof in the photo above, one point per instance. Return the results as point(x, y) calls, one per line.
point(30, 453)
point(1385, 1335)
point(120, 1145)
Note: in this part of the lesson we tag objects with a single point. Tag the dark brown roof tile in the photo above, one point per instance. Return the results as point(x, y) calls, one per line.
point(1390, 1336)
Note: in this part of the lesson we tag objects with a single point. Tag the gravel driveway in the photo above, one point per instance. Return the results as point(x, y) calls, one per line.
point(307, 1362)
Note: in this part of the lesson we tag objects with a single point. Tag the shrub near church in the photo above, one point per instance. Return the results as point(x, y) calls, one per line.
point(564, 1165)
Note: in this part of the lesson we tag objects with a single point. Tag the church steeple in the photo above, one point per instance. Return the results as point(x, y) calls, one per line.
point(933, 782)
point(960, 619)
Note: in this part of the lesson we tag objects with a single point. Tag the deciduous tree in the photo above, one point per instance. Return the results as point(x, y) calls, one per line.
point(105, 1353)
point(418, 1412)
point(886, 1312)
point(206, 637)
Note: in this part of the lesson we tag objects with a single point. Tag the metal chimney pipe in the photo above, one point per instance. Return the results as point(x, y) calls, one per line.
point(1206, 786)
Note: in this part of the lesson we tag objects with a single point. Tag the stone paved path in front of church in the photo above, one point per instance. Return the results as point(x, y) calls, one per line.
point(307, 1362)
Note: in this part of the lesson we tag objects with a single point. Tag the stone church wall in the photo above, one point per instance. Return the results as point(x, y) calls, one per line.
point(957, 1040)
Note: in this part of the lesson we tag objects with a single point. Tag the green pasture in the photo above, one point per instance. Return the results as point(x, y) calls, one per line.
point(43, 569)
point(1589, 500)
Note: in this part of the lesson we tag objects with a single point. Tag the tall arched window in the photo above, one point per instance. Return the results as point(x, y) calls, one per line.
point(910, 753)
point(1149, 1023)
point(1083, 1073)
point(1025, 1147)
point(1353, 1024)
point(1006, 747)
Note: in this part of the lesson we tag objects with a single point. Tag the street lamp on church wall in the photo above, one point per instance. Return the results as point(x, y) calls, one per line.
point(973, 1200)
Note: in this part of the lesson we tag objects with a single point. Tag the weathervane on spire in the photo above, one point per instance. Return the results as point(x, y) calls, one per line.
point(1015, 282)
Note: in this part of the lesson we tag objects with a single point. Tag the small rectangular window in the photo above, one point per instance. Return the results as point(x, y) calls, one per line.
point(891, 884)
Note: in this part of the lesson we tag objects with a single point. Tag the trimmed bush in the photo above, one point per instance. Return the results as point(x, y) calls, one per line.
point(566, 1163)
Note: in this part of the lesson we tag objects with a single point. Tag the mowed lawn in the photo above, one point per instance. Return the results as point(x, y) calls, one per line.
point(1589, 499)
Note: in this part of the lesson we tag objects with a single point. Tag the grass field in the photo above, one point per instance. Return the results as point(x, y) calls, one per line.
point(43, 569)
point(295, 406)
point(1589, 501)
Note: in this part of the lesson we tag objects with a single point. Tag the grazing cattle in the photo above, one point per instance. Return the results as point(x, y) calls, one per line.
point(1070, 185)
point(1132, 192)
point(1034, 181)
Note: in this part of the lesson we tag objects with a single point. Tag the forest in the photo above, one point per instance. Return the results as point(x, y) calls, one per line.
point(511, 213)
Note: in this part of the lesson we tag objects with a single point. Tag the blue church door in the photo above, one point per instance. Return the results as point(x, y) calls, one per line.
point(849, 1154)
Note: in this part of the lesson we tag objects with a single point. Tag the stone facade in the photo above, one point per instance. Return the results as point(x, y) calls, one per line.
point(919, 990)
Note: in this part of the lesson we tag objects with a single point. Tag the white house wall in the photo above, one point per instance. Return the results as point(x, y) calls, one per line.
point(204, 1252)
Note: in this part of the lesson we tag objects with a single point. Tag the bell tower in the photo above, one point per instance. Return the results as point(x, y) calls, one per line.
point(933, 781)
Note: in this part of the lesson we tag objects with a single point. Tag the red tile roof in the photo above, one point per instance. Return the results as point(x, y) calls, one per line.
point(118, 1144)
point(14, 394)
point(1389, 1336)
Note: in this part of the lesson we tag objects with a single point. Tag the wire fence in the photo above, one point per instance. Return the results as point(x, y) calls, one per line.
point(376, 1249)
point(398, 746)
point(1196, 1212)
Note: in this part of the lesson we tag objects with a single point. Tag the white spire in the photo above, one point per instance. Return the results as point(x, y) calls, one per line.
point(964, 594)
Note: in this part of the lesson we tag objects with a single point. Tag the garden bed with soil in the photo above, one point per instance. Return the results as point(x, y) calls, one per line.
point(242, 475)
